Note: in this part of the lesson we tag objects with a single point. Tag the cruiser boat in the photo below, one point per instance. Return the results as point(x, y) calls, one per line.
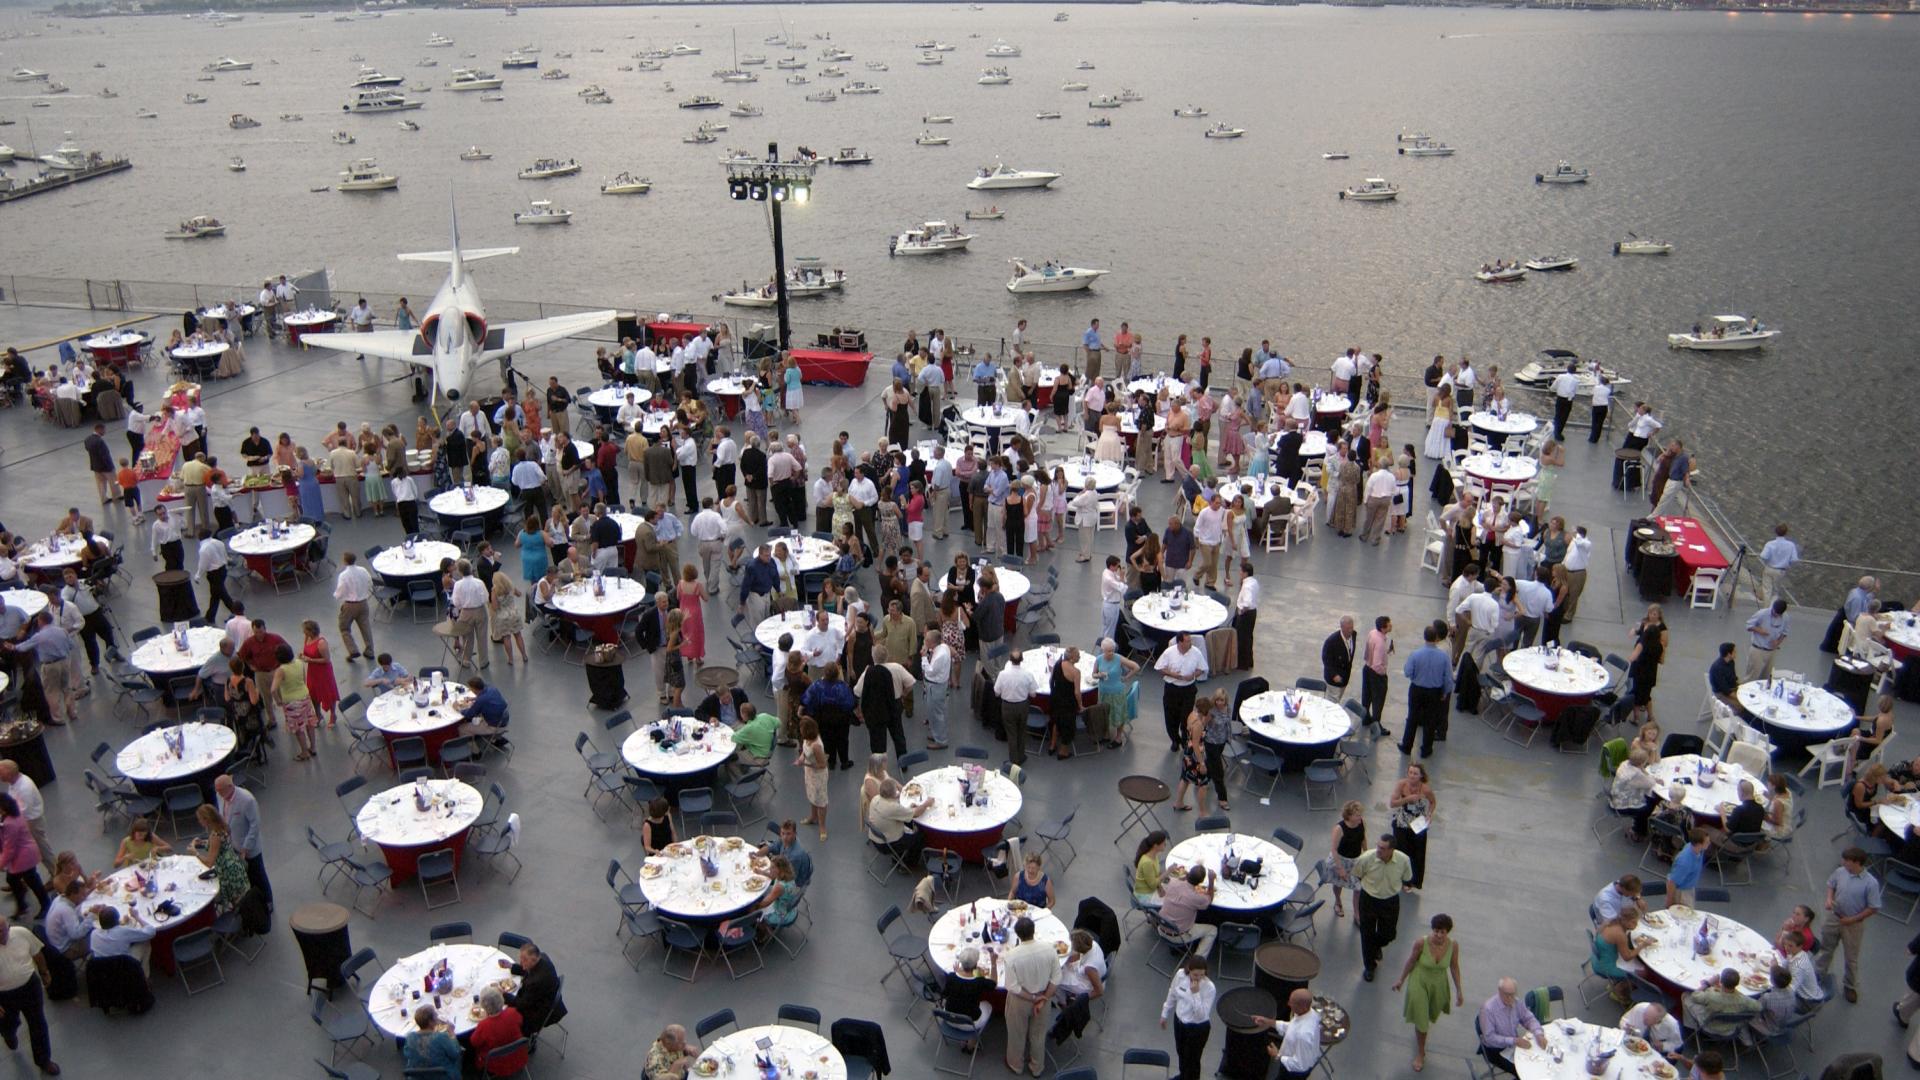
point(407, 125)
point(991, 213)
point(1050, 277)
point(1373, 190)
point(195, 99)
point(1427, 148)
point(1731, 333)
point(240, 122)
point(1642, 245)
point(927, 59)
point(1104, 101)
point(1075, 87)
point(1499, 272)
point(439, 41)
point(823, 95)
point(996, 76)
point(548, 168)
point(1084, 65)
point(746, 295)
point(474, 153)
point(554, 75)
point(199, 227)
point(1335, 155)
point(1223, 131)
point(1545, 263)
point(752, 60)
point(364, 175)
point(929, 238)
point(790, 63)
point(928, 138)
point(291, 118)
point(700, 136)
point(373, 80)
point(470, 79)
point(541, 212)
point(1539, 376)
point(626, 184)
point(936, 118)
point(1190, 111)
point(745, 109)
point(805, 280)
point(850, 155)
point(236, 164)
point(67, 157)
point(857, 88)
point(1099, 121)
point(683, 49)
point(1001, 176)
point(701, 101)
point(520, 60)
point(877, 65)
point(1001, 48)
point(228, 63)
point(798, 80)
point(28, 75)
point(1046, 114)
point(380, 101)
point(1128, 93)
point(1563, 173)
point(832, 71)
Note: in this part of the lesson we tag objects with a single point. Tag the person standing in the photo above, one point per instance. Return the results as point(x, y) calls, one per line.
point(936, 671)
point(241, 812)
point(1209, 530)
point(1373, 674)
point(1336, 658)
point(1113, 591)
point(1382, 875)
point(353, 587)
point(26, 794)
point(1189, 1004)
point(1766, 632)
point(1090, 343)
point(1435, 957)
point(1602, 397)
point(23, 973)
point(1246, 611)
point(1776, 558)
point(1032, 969)
point(1378, 491)
point(1640, 430)
point(1296, 1049)
point(1566, 386)
point(100, 463)
point(1013, 691)
point(469, 630)
point(210, 565)
point(1429, 682)
point(1853, 897)
point(1579, 556)
point(1413, 803)
point(95, 630)
point(51, 648)
point(1182, 668)
point(164, 539)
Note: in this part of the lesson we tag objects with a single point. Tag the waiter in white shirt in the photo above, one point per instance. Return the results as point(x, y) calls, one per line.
point(1602, 399)
point(211, 566)
point(353, 587)
point(1566, 386)
point(709, 532)
point(1579, 557)
point(1182, 665)
point(1296, 1047)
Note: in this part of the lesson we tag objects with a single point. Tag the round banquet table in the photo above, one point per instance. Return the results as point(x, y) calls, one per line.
point(1107, 476)
point(161, 659)
point(470, 969)
point(1199, 615)
point(397, 565)
point(799, 1054)
point(44, 562)
point(966, 924)
point(1013, 586)
point(1232, 899)
point(629, 528)
point(1042, 390)
point(176, 878)
point(1496, 428)
point(600, 613)
point(1670, 956)
point(403, 833)
point(1819, 716)
point(1499, 472)
point(119, 348)
point(1038, 661)
point(809, 553)
point(223, 312)
point(454, 506)
point(308, 322)
point(258, 548)
point(676, 884)
point(1703, 797)
point(607, 400)
point(1573, 681)
point(29, 602)
point(1308, 736)
point(968, 831)
point(1900, 815)
point(1903, 634)
point(395, 716)
point(730, 391)
point(203, 357)
point(795, 622)
point(1571, 1039)
point(1129, 429)
point(1330, 411)
point(1151, 387)
point(153, 767)
point(995, 421)
point(689, 761)
point(1259, 493)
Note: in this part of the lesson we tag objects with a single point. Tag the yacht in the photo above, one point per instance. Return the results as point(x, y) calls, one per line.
point(364, 175)
point(1190, 111)
point(548, 168)
point(439, 41)
point(1002, 49)
point(1074, 87)
point(520, 60)
point(373, 80)
point(1563, 173)
point(1499, 272)
point(1642, 245)
point(857, 87)
point(936, 118)
point(1728, 333)
point(1548, 263)
point(1100, 121)
point(790, 63)
point(228, 63)
point(832, 71)
point(1104, 101)
point(928, 138)
point(823, 96)
point(1427, 148)
point(541, 212)
point(626, 184)
point(1373, 190)
point(1050, 277)
point(745, 109)
point(1046, 114)
point(199, 227)
point(996, 76)
point(1224, 131)
point(28, 75)
point(474, 153)
point(240, 122)
point(929, 238)
point(380, 101)
point(683, 49)
point(236, 164)
point(195, 99)
point(1127, 93)
point(554, 75)
point(927, 59)
point(1000, 176)
point(701, 101)
point(470, 79)
point(67, 157)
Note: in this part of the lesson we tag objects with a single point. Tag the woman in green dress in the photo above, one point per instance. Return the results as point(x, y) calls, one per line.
point(1434, 958)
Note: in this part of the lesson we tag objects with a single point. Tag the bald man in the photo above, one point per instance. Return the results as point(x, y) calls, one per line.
point(1295, 1044)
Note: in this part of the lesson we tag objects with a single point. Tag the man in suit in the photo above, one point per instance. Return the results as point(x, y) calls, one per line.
point(538, 998)
point(1336, 658)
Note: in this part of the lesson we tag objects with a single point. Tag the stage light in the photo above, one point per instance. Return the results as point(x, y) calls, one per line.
point(757, 191)
point(800, 192)
point(737, 189)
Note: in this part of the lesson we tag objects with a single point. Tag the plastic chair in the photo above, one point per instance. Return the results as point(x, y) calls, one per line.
point(437, 868)
point(1058, 832)
point(453, 931)
point(409, 753)
point(1239, 939)
point(904, 948)
point(1137, 1058)
point(332, 856)
point(713, 1022)
point(956, 1031)
point(1213, 823)
point(797, 1016)
point(375, 876)
point(678, 937)
point(197, 948)
point(343, 1028)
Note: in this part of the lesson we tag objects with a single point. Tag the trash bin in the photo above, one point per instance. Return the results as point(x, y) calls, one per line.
point(325, 944)
point(1244, 1055)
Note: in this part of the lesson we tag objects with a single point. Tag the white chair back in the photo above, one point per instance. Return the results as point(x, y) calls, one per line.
point(1750, 757)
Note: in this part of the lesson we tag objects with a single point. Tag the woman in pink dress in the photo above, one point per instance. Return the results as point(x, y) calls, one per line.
point(694, 631)
point(1232, 443)
point(320, 685)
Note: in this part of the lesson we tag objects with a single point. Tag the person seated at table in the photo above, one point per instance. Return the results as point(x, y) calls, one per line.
point(538, 998)
point(1803, 974)
point(140, 844)
point(1507, 1024)
point(1723, 678)
point(1709, 1065)
point(1778, 822)
point(1777, 1003)
point(787, 845)
point(781, 905)
point(66, 868)
point(753, 740)
point(1875, 728)
point(67, 929)
point(1720, 997)
point(1631, 792)
point(656, 832)
point(1083, 976)
point(486, 714)
point(968, 986)
point(1032, 884)
point(1747, 816)
point(731, 706)
point(216, 852)
point(386, 674)
point(114, 937)
point(1650, 1020)
point(891, 823)
point(1148, 868)
point(1647, 739)
point(1870, 789)
point(670, 1056)
point(502, 1025)
point(431, 1044)
point(1614, 956)
point(1799, 925)
point(1619, 895)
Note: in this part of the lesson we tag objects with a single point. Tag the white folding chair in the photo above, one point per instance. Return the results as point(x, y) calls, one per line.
point(1750, 757)
point(1705, 590)
point(1719, 737)
point(1832, 759)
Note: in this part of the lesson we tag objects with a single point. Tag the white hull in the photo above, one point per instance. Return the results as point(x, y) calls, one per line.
point(1000, 183)
point(1551, 265)
point(940, 248)
point(385, 183)
point(1370, 196)
point(475, 84)
point(558, 217)
point(1072, 280)
point(1642, 247)
point(1729, 343)
point(749, 300)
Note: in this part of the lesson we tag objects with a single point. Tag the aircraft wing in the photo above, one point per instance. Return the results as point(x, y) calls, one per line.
point(387, 344)
point(518, 336)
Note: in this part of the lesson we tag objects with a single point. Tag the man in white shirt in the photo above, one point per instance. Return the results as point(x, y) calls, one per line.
point(1379, 502)
point(1516, 548)
point(1246, 611)
point(686, 458)
point(1300, 408)
point(1182, 666)
point(361, 317)
point(353, 587)
point(1579, 557)
point(1014, 688)
point(164, 540)
point(709, 532)
point(266, 302)
point(469, 629)
point(1031, 970)
point(239, 628)
point(406, 501)
point(823, 644)
point(630, 410)
point(1113, 591)
point(286, 295)
point(1776, 558)
point(1483, 621)
point(866, 500)
point(1640, 430)
point(1566, 386)
point(939, 491)
point(67, 391)
point(1651, 1021)
point(1532, 601)
point(1209, 529)
point(726, 461)
point(474, 424)
point(1602, 398)
point(1297, 1049)
point(1343, 371)
point(26, 794)
point(210, 566)
point(936, 671)
point(1463, 384)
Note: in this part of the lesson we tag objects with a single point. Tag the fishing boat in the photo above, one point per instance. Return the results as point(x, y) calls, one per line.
point(1128, 93)
point(1551, 263)
point(928, 59)
point(850, 155)
point(1104, 101)
point(936, 118)
point(598, 97)
point(700, 135)
point(1190, 111)
point(1724, 333)
point(1000, 176)
point(1374, 189)
point(832, 71)
point(195, 99)
point(627, 184)
point(1050, 277)
point(701, 101)
point(549, 168)
point(991, 213)
point(877, 65)
point(541, 212)
point(1427, 148)
point(809, 280)
point(474, 153)
point(1500, 272)
point(199, 227)
point(439, 41)
point(236, 164)
point(554, 75)
point(240, 122)
point(1100, 122)
point(763, 296)
point(472, 79)
point(797, 80)
point(1642, 245)
point(858, 88)
point(1224, 131)
point(823, 95)
point(745, 110)
point(1413, 136)
point(994, 76)
point(1563, 173)
point(67, 157)
point(929, 238)
point(517, 60)
point(928, 138)
point(364, 175)
point(407, 125)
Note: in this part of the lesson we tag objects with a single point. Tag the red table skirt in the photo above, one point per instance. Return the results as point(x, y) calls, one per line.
point(163, 940)
point(405, 861)
point(1901, 652)
point(970, 846)
point(833, 367)
point(605, 628)
point(1687, 561)
point(262, 565)
point(434, 740)
point(118, 355)
point(1551, 705)
point(730, 404)
point(294, 332)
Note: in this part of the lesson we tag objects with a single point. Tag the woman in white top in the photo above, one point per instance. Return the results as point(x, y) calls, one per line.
point(1632, 791)
point(1085, 971)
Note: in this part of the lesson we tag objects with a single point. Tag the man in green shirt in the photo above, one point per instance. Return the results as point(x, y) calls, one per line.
point(1720, 997)
point(1383, 874)
point(753, 740)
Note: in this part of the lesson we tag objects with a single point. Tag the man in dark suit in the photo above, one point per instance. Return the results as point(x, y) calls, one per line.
point(1336, 658)
point(1288, 465)
point(538, 998)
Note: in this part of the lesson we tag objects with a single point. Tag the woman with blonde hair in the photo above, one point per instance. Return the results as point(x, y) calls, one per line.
point(296, 703)
point(509, 617)
point(1347, 843)
point(215, 852)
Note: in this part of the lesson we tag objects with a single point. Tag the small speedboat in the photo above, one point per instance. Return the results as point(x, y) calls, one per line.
point(474, 153)
point(1100, 121)
point(1084, 65)
point(1374, 189)
point(1642, 245)
point(1724, 333)
point(746, 295)
point(1105, 101)
point(700, 135)
point(1545, 263)
point(1128, 93)
point(145, 114)
point(343, 138)
point(407, 125)
point(1074, 87)
point(1190, 111)
point(627, 184)
point(492, 95)
point(1335, 155)
point(200, 227)
point(935, 119)
point(1563, 173)
point(195, 99)
point(240, 122)
point(999, 176)
point(1414, 136)
point(1224, 131)
point(701, 101)
point(928, 138)
point(745, 110)
point(1047, 114)
point(929, 238)
point(236, 164)
point(1427, 148)
point(1540, 376)
point(850, 155)
point(858, 87)
point(994, 76)
point(930, 59)
point(1500, 273)
point(798, 80)
point(549, 168)
point(823, 95)
point(991, 213)
point(291, 118)
point(1050, 277)
point(541, 212)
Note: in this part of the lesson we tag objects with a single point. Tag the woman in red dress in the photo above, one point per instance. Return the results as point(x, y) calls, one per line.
point(320, 685)
point(692, 594)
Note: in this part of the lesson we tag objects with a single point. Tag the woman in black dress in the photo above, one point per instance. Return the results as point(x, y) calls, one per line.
point(1063, 701)
point(1643, 664)
point(1017, 521)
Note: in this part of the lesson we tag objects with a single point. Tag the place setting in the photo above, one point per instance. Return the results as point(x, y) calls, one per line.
point(706, 877)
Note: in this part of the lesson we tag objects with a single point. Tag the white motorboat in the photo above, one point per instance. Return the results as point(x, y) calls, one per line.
point(374, 80)
point(1050, 277)
point(541, 212)
point(471, 79)
point(928, 138)
point(1548, 263)
point(991, 213)
point(380, 101)
point(601, 98)
point(934, 46)
point(195, 99)
point(67, 157)
point(712, 128)
point(683, 49)
point(1100, 121)
point(1724, 333)
point(1427, 148)
point(57, 88)
point(736, 75)
point(1374, 189)
point(555, 75)
point(241, 122)
point(427, 62)
point(1105, 101)
point(858, 88)
point(627, 184)
point(6, 153)
point(1335, 155)
point(701, 101)
point(28, 75)
point(798, 80)
point(752, 60)
point(364, 175)
point(995, 76)
point(1190, 111)
point(196, 78)
point(1224, 131)
point(1128, 93)
point(407, 125)
point(291, 118)
point(790, 63)
point(517, 60)
point(1540, 376)
point(1642, 245)
point(877, 65)
point(936, 118)
point(700, 136)
point(823, 96)
point(746, 295)
point(1084, 65)
point(1413, 136)
point(492, 95)
point(549, 168)
point(236, 164)
point(228, 63)
point(833, 71)
point(929, 238)
point(1500, 272)
point(419, 88)
point(807, 280)
point(1003, 49)
point(928, 59)
point(1563, 173)
point(1046, 114)
point(745, 110)
point(243, 82)
point(1000, 176)
point(474, 153)
point(439, 41)
point(199, 227)
point(145, 114)
point(850, 155)
point(1074, 87)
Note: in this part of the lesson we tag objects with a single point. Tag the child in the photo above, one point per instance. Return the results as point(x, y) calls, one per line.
point(129, 482)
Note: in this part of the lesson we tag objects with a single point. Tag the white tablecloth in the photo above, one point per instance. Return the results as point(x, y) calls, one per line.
point(1903, 629)
point(395, 713)
point(1515, 423)
point(1319, 720)
point(1577, 676)
point(390, 819)
point(178, 878)
point(809, 553)
point(471, 968)
point(612, 397)
point(159, 655)
point(1897, 817)
point(1129, 427)
point(255, 541)
point(964, 924)
point(1313, 444)
point(1572, 1039)
point(1703, 798)
point(799, 1054)
point(64, 552)
point(305, 319)
point(200, 352)
point(424, 560)
point(726, 387)
point(1008, 418)
point(1736, 947)
point(629, 524)
point(1499, 469)
point(1151, 387)
point(150, 758)
point(1038, 662)
point(617, 595)
point(1259, 493)
point(1818, 711)
point(222, 311)
point(29, 602)
point(454, 503)
point(941, 787)
point(1199, 615)
point(119, 340)
point(1013, 583)
point(693, 753)
point(1332, 404)
point(1278, 873)
point(675, 884)
point(796, 623)
point(1106, 475)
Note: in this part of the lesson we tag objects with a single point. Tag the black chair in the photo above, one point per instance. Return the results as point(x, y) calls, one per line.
point(1680, 743)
